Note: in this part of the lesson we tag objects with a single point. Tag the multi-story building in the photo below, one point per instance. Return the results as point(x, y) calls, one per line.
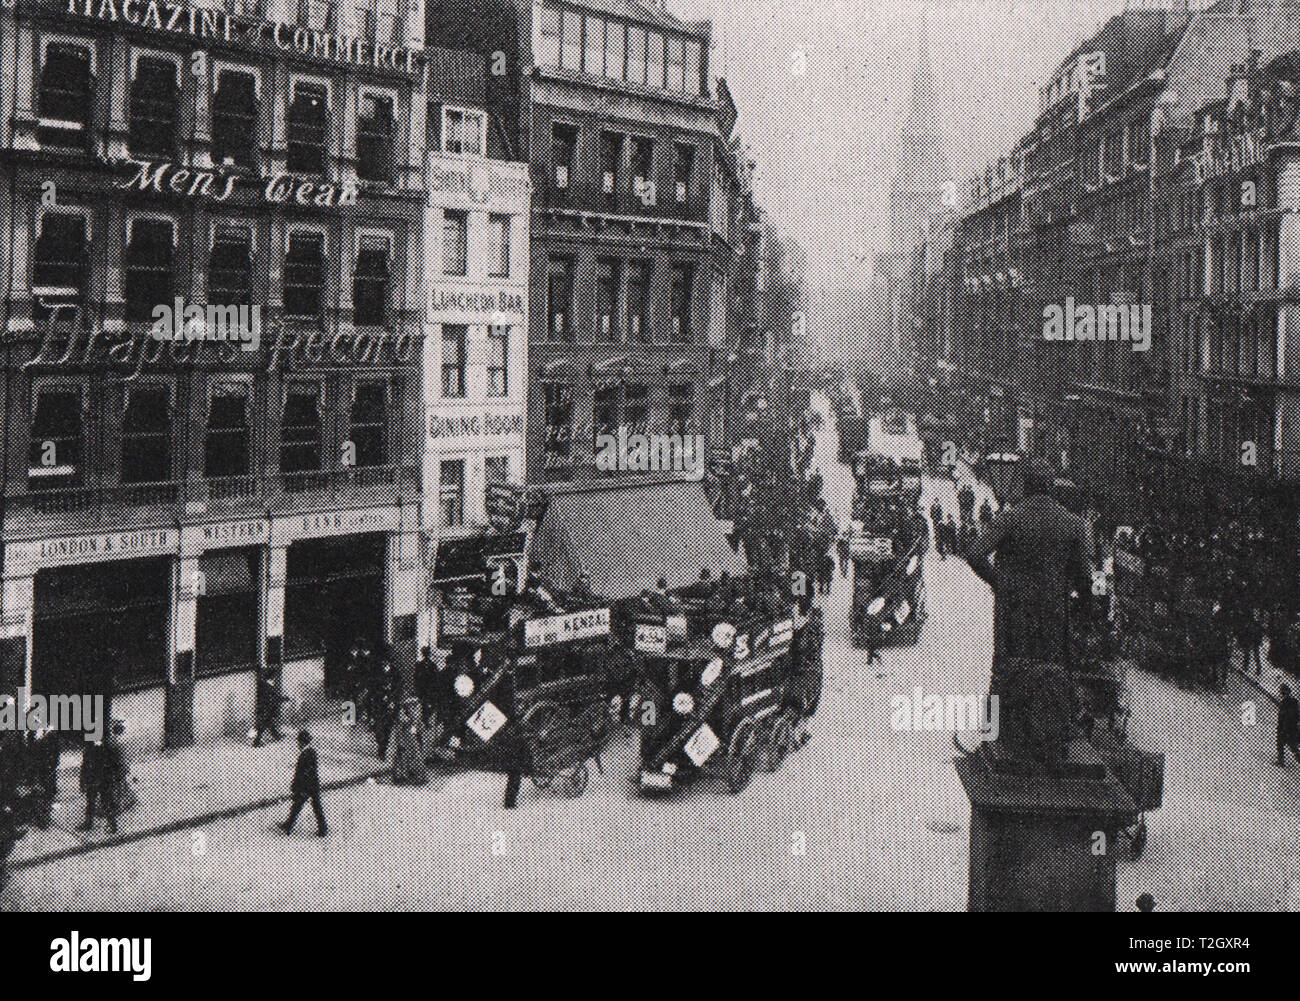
point(476, 349)
point(633, 234)
point(180, 510)
point(1131, 199)
point(1225, 204)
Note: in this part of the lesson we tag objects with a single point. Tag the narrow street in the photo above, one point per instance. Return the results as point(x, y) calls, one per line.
point(863, 817)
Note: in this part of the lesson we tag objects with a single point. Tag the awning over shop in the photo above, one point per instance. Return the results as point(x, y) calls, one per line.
point(626, 538)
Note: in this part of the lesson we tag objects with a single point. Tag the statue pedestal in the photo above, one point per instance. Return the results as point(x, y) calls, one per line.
point(1035, 835)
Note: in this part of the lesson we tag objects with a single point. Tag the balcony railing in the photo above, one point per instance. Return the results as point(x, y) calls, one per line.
point(81, 508)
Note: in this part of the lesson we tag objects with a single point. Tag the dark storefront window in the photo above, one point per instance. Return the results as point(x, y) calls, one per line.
point(559, 300)
point(61, 263)
point(375, 139)
point(683, 281)
point(681, 409)
point(155, 105)
point(636, 410)
point(564, 147)
point(226, 447)
point(611, 156)
point(453, 359)
point(300, 444)
point(607, 282)
point(226, 628)
point(230, 267)
point(683, 167)
point(146, 435)
point(65, 96)
point(101, 627)
point(334, 594)
point(498, 366)
point(304, 276)
point(451, 492)
point(150, 262)
point(370, 282)
point(557, 447)
point(369, 418)
point(234, 119)
point(455, 243)
point(55, 452)
point(643, 153)
point(499, 246)
point(638, 303)
point(308, 129)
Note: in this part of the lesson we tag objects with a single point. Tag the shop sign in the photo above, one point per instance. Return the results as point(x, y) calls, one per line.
point(220, 26)
point(164, 177)
point(311, 526)
point(475, 425)
point(651, 639)
point(451, 299)
point(562, 628)
point(248, 532)
point(88, 548)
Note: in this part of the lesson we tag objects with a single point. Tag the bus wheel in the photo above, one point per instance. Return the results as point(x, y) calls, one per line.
point(741, 754)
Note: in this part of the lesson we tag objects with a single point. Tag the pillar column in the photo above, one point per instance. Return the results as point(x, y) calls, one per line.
point(24, 85)
point(18, 600)
point(187, 584)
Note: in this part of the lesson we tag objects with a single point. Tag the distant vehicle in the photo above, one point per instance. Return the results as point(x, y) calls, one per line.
point(886, 543)
point(893, 435)
point(1005, 474)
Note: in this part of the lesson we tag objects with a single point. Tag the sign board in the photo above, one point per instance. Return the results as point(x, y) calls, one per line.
point(876, 546)
point(563, 628)
point(701, 745)
point(486, 721)
point(92, 548)
point(651, 639)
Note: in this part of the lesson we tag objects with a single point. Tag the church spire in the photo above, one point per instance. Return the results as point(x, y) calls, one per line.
point(922, 167)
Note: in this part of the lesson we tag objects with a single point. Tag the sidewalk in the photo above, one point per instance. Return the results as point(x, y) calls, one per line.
point(192, 786)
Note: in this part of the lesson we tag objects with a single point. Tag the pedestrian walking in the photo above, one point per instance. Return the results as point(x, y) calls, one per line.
point(409, 767)
point(267, 705)
point(424, 682)
point(384, 701)
point(1250, 636)
point(46, 753)
point(966, 502)
point(936, 517)
point(306, 786)
point(1288, 725)
point(102, 772)
point(842, 550)
point(827, 574)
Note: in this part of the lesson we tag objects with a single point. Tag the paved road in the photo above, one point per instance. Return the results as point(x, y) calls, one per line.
point(862, 817)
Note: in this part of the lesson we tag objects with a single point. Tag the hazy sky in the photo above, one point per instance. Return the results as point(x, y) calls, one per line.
point(825, 141)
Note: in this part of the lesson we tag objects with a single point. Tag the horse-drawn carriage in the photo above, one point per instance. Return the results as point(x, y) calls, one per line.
point(721, 691)
point(536, 696)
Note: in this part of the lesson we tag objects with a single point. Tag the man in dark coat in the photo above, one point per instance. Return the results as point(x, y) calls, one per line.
point(306, 786)
point(1042, 555)
point(90, 758)
point(267, 705)
point(966, 501)
point(424, 681)
point(1288, 725)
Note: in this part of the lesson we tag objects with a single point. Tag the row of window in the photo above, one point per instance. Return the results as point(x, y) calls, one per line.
point(58, 432)
point(626, 166)
point(615, 406)
point(451, 486)
point(60, 269)
point(455, 244)
point(617, 297)
point(455, 360)
point(617, 50)
point(66, 110)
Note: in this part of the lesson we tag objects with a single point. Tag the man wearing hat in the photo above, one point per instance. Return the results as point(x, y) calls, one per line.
point(306, 786)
